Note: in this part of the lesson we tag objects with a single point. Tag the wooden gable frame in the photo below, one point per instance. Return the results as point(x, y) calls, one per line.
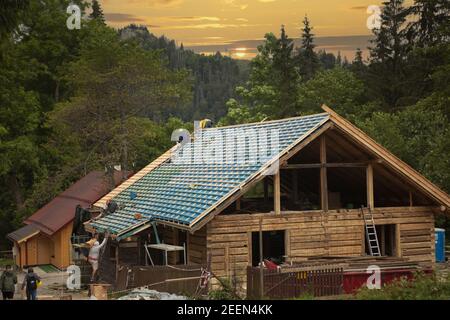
point(400, 167)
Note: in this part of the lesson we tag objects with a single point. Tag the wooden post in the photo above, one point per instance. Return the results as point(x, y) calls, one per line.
point(323, 174)
point(238, 204)
point(277, 193)
point(369, 178)
point(117, 261)
point(287, 245)
point(250, 248)
point(261, 268)
point(398, 240)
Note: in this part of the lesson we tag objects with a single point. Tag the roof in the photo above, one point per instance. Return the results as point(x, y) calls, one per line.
point(185, 186)
point(402, 168)
point(164, 157)
point(23, 233)
point(188, 193)
point(61, 210)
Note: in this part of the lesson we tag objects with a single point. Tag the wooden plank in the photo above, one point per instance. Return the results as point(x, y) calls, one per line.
point(250, 248)
point(398, 241)
point(287, 243)
point(328, 165)
point(369, 185)
point(277, 193)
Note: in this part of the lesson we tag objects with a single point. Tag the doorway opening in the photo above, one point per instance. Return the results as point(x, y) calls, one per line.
point(273, 246)
point(387, 238)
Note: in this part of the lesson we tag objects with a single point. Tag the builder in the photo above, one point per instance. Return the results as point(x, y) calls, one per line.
point(94, 254)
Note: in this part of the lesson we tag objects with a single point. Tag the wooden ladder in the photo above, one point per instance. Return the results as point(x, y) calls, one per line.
point(371, 233)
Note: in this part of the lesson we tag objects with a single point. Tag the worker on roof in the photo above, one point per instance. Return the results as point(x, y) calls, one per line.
point(94, 254)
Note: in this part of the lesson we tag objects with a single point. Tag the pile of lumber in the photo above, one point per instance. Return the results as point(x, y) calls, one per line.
point(352, 263)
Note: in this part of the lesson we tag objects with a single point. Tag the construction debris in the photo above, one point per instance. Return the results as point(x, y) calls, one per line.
point(147, 294)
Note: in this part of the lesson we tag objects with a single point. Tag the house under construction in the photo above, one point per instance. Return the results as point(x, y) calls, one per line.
point(304, 197)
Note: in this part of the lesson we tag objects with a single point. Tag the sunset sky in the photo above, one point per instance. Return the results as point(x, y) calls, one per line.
point(233, 25)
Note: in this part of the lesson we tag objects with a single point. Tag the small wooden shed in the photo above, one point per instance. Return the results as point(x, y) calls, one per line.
point(45, 238)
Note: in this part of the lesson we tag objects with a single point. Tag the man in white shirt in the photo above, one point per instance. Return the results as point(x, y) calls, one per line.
point(94, 255)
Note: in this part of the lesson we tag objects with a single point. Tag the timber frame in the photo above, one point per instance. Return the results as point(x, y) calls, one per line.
point(224, 232)
point(335, 122)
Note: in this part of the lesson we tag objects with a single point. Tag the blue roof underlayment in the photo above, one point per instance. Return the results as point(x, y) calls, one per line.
point(201, 175)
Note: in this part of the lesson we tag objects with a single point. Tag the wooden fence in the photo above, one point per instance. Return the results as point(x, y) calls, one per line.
point(293, 282)
point(180, 279)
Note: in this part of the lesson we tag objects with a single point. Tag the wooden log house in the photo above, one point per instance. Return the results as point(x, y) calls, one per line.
point(305, 198)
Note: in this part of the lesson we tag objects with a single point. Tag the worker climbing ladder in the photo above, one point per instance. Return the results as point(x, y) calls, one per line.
point(371, 232)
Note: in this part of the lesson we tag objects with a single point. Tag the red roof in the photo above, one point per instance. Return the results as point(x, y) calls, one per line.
point(61, 210)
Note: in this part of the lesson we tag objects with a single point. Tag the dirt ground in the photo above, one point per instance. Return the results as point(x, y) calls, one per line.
point(53, 287)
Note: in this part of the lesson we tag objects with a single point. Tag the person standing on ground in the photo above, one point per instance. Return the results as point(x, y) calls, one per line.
point(94, 255)
point(31, 283)
point(8, 282)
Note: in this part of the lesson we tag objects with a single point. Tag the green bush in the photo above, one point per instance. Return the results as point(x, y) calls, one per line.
point(421, 287)
point(226, 291)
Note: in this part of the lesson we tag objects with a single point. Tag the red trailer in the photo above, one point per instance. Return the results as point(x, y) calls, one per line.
point(353, 280)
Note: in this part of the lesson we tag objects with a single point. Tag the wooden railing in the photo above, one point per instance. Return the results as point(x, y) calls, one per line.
point(179, 279)
point(286, 284)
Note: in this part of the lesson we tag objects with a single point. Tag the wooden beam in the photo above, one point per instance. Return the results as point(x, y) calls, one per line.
point(328, 165)
point(250, 248)
point(398, 241)
point(392, 161)
point(323, 174)
point(277, 193)
point(369, 183)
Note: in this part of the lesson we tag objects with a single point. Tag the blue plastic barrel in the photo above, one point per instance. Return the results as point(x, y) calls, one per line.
point(440, 244)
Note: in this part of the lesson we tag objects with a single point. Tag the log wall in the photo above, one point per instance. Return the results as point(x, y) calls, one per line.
point(313, 233)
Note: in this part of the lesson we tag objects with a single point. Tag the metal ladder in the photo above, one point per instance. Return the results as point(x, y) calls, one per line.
point(371, 233)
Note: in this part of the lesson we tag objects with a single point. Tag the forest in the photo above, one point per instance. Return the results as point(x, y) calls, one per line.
point(72, 101)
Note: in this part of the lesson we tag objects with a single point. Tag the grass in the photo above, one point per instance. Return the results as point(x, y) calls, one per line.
point(5, 262)
point(422, 287)
point(48, 268)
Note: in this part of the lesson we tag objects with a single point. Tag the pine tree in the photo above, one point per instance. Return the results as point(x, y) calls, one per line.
point(97, 11)
point(432, 24)
point(358, 67)
point(388, 54)
point(390, 44)
point(284, 65)
point(307, 58)
point(358, 60)
point(339, 59)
